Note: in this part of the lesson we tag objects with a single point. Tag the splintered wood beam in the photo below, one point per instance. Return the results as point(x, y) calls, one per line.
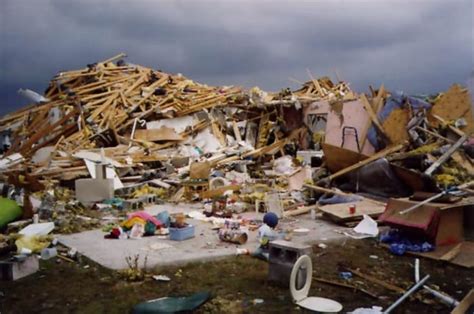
point(135, 85)
point(27, 146)
point(127, 78)
point(434, 134)
point(115, 58)
point(159, 83)
point(324, 190)
point(371, 113)
point(315, 82)
point(378, 106)
point(378, 100)
point(103, 107)
point(445, 123)
point(238, 137)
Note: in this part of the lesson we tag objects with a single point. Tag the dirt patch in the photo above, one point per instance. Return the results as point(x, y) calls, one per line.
point(236, 284)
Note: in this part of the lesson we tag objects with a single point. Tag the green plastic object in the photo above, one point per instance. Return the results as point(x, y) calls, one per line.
point(150, 228)
point(9, 211)
point(172, 304)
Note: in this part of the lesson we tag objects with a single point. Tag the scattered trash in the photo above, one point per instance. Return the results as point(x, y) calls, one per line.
point(257, 301)
point(48, 253)
point(115, 137)
point(367, 228)
point(364, 310)
point(300, 231)
point(72, 253)
point(32, 244)
point(345, 275)
point(39, 229)
point(400, 243)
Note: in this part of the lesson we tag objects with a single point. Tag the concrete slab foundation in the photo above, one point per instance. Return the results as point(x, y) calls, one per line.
point(205, 246)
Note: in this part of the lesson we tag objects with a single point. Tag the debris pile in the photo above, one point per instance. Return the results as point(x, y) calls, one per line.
point(115, 137)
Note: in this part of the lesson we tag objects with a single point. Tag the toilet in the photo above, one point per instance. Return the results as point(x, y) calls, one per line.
point(300, 296)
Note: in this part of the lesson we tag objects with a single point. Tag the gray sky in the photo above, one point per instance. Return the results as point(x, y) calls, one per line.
point(419, 46)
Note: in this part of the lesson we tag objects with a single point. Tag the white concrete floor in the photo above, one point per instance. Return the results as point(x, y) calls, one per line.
point(205, 246)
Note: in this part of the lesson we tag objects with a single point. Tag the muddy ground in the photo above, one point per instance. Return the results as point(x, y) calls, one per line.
point(235, 283)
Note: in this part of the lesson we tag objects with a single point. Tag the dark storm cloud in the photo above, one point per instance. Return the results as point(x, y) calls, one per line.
point(416, 46)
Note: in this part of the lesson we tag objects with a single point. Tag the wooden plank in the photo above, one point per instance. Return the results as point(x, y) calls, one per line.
point(345, 285)
point(445, 123)
point(465, 304)
point(154, 135)
point(219, 191)
point(435, 135)
point(238, 137)
point(324, 190)
point(127, 78)
point(135, 85)
point(115, 58)
point(315, 82)
point(378, 100)
point(377, 281)
point(338, 158)
point(340, 212)
point(378, 105)
point(451, 254)
point(217, 133)
point(364, 162)
point(27, 146)
point(371, 113)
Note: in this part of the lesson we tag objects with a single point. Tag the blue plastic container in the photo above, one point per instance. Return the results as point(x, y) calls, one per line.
point(180, 234)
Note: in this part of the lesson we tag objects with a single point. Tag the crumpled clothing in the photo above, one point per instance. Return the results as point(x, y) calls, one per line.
point(128, 224)
point(400, 243)
point(147, 217)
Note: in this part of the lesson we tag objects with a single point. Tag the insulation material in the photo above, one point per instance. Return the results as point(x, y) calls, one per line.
point(206, 141)
point(32, 95)
point(42, 154)
point(178, 124)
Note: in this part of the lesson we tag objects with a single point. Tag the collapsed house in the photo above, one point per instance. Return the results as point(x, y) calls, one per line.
point(122, 135)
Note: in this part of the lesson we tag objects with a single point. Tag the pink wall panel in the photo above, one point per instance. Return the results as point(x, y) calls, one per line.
point(353, 115)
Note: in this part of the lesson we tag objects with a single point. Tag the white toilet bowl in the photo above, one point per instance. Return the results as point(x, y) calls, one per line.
point(300, 297)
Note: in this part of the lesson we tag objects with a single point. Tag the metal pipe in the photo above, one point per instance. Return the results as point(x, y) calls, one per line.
point(407, 294)
point(441, 296)
point(434, 197)
point(142, 123)
point(417, 269)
